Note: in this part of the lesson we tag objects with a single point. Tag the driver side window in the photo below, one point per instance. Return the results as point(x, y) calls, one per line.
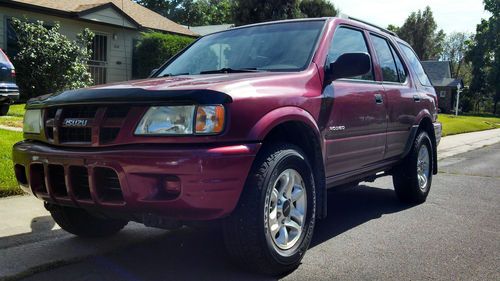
point(348, 40)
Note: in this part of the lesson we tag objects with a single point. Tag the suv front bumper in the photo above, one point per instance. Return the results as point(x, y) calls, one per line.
point(8, 93)
point(177, 182)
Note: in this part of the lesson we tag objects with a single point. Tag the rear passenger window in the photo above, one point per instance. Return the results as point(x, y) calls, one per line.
point(415, 64)
point(386, 59)
point(399, 64)
point(347, 40)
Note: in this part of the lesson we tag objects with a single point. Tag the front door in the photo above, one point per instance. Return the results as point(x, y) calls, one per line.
point(356, 130)
point(99, 59)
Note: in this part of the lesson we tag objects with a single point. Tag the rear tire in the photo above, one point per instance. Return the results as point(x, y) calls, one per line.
point(4, 108)
point(412, 178)
point(272, 226)
point(81, 223)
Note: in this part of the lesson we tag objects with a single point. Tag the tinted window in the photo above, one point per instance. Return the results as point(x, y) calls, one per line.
point(279, 47)
point(348, 40)
point(385, 58)
point(3, 58)
point(415, 64)
point(399, 64)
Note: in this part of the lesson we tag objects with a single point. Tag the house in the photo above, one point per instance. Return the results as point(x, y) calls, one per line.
point(208, 29)
point(446, 87)
point(117, 24)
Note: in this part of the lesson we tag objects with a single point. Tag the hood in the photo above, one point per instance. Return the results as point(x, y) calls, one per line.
point(197, 89)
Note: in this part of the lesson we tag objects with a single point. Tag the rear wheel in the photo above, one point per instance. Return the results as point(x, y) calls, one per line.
point(413, 177)
point(81, 223)
point(4, 108)
point(272, 226)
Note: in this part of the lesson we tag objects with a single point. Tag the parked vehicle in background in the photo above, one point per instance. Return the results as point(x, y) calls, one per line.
point(9, 92)
point(248, 126)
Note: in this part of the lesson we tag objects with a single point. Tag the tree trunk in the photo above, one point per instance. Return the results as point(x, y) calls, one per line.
point(495, 102)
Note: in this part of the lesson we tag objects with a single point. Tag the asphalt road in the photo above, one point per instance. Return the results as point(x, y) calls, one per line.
point(368, 235)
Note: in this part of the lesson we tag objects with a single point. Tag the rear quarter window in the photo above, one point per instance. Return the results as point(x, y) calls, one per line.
point(415, 64)
point(4, 60)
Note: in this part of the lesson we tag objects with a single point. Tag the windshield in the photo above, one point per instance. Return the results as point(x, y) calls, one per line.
point(273, 47)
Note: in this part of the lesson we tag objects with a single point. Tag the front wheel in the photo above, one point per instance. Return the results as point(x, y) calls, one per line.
point(272, 226)
point(413, 177)
point(4, 109)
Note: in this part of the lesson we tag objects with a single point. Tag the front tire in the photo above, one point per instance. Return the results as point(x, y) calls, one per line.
point(4, 109)
point(413, 177)
point(81, 223)
point(272, 226)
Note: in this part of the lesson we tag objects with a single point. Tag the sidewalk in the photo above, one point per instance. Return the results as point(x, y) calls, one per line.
point(457, 144)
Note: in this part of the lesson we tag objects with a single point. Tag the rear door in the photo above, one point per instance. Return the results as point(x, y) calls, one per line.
point(400, 95)
point(356, 129)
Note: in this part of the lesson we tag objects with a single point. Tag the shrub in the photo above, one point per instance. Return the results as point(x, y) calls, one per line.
point(47, 61)
point(155, 48)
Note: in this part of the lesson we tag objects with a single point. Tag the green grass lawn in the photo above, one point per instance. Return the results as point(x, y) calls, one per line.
point(14, 117)
point(453, 125)
point(8, 183)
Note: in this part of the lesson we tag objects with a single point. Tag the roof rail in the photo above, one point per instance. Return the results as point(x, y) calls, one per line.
point(344, 16)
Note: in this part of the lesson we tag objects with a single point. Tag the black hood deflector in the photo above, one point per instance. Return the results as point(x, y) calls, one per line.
point(130, 96)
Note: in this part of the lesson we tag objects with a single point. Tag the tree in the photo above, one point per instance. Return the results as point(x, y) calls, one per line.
point(454, 48)
point(163, 46)
point(253, 11)
point(393, 28)
point(317, 9)
point(420, 31)
point(192, 12)
point(165, 8)
point(484, 55)
point(203, 12)
point(47, 61)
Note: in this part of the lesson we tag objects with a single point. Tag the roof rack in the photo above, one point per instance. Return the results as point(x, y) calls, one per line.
point(344, 16)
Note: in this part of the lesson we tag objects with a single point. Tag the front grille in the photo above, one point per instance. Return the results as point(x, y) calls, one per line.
point(75, 135)
point(84, 125)
point(106, 183)
point(79, 178)
point(57, 181)
point(79, 112)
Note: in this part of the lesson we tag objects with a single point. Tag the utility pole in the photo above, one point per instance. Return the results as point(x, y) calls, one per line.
point(458, 98)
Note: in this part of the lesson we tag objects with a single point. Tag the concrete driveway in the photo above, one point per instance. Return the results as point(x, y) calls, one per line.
point(368, 234)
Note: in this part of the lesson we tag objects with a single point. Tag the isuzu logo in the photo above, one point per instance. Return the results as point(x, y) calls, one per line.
point(75, 122)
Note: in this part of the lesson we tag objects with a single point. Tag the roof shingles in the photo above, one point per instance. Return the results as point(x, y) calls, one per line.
point(143, 16)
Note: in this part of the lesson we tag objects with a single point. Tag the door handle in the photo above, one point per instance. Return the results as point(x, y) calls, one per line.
point(416, 98)
point(379, 99)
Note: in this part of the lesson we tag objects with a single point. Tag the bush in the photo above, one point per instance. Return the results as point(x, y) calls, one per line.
point(47, 61)
point(155, 48)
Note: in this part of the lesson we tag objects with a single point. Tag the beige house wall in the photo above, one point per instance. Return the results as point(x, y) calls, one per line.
point(119, 39)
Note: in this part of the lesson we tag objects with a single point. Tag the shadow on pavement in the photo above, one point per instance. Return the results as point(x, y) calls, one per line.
point(194, 254)
point(348, 208)
point(41, 228)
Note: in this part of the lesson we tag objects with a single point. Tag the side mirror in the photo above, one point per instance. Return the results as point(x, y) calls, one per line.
point(153, 72)
point(350, 65)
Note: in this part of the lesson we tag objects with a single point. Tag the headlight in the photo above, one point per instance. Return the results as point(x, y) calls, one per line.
point(32, 121)
point(182, 120)
point(167, 120)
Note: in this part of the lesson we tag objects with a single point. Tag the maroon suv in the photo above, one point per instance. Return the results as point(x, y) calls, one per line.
point(249, 126)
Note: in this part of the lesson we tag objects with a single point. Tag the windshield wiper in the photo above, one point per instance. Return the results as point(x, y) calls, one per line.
point(170, 74)
point(231, 70)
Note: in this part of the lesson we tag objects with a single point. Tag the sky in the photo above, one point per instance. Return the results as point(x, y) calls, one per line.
point(450, 15)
